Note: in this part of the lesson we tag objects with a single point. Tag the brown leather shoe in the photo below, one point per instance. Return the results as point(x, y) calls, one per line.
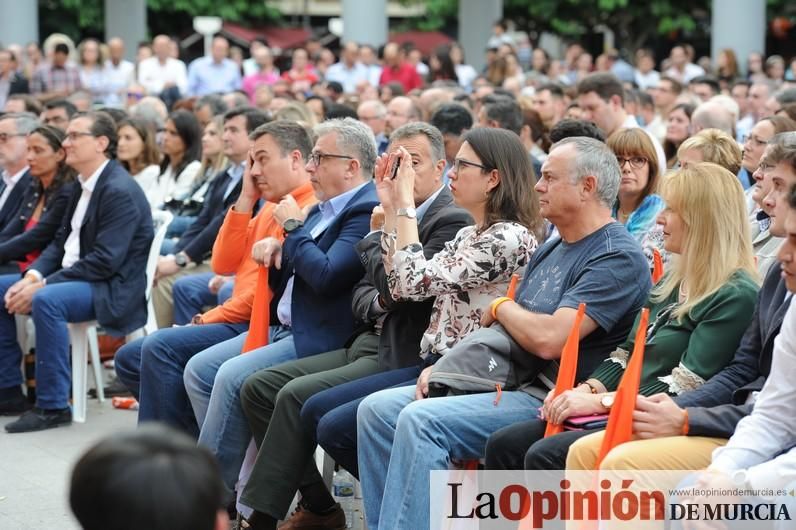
point(303, 519)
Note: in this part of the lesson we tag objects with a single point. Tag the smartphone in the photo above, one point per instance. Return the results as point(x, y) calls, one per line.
point(395, 167)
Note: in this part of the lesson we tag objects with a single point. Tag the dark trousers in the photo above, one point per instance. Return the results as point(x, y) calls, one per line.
point(272, 399)
point(332, 414)
point(523, 446)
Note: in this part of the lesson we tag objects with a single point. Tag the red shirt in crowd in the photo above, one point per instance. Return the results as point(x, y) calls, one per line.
point(406, 74)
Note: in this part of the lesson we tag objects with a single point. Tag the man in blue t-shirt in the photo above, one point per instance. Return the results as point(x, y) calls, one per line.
point(593, 260)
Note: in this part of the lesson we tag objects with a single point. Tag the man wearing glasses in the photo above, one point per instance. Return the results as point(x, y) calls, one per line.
point(95, 268)
point(13, 162)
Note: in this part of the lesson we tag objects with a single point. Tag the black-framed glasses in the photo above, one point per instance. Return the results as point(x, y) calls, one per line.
point(316, 158)
point(459, 162)
point(73, 136)
point(5, 136)
point(636, 162)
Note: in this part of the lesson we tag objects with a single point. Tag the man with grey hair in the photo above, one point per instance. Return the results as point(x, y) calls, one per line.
point(14, 129)
point(592, 260)
point(273, 398)
point(713, 115)
point(373, 113)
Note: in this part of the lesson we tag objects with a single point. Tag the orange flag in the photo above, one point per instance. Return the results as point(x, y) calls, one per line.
point(657, 266)
point(569, 366)
point(261, 315)
point(620, 421)
point(515, 278)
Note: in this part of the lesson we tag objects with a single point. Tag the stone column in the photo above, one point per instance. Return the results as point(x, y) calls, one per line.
point(476, 18)
point(19, 22)
point(365, 22)
point(740, 25)
point(126, 19)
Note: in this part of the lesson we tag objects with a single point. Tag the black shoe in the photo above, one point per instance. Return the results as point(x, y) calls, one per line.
point(14, 406)
point(40, 419)
point(114, 388)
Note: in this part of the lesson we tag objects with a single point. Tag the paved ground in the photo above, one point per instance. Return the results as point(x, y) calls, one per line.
point(35, 468)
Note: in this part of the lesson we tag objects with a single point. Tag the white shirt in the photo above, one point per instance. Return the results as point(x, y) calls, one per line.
point(153, 75)
point(147, 178)
point(176, 188)
point(764, 443)
point(648, 80)
point(690, 71)
point(72, 245)
point(118, 77)
point(10, 181)
point(348, 77)
point(631, 123)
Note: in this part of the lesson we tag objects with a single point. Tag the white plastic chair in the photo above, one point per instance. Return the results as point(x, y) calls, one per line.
point(83, 335)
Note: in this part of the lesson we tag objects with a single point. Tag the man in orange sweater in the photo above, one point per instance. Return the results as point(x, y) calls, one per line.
point(275, 170)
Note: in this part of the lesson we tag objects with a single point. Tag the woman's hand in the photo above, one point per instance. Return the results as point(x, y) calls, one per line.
point(384, 183)
point(404, 187)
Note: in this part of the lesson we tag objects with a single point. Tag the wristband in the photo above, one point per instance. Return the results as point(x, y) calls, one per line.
point(685, 422)
point(496, 303)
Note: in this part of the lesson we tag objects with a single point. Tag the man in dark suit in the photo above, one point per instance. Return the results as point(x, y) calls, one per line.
point(697, 422)
point(197, 241)
point(94, 269)
point(14, 129)
point(389, 338)
point(311, 276)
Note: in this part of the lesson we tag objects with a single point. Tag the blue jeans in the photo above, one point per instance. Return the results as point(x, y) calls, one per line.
point(191, 295)
point(152, 368)
point(53, 307)
point(178, 225)
point(331, 415)
point(401, 440)
point(213, 379)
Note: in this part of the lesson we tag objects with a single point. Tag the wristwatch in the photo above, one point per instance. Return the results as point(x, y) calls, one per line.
point(411, 213)
point(181, 259)
point(607, 401)
point(292, 224)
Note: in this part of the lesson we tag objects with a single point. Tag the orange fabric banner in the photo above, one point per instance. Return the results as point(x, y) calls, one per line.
point(620, 422)
point(568, 367)
point(261, 313)
point(657, 266)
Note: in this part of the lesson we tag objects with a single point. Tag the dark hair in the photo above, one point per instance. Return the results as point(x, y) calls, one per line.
point(154, 477)
point(555, 89)
point(61, 48)
point(149, 153)
point(446, 68)
point(338, 110)
point(118, 115)
point(568, 128)
point(786, 96)
point(506, 112)
point(677, 86)
point(452, 118)
point(254, 117)
point(65, 104)
point(790, 110)
point(334, 86)
point(604, 84)
point(741, 82)
point(102, 125)
point(514, 199)
point(214, 101)
point(792, 197)
point(325, 102)
point(533, 121)
point(644, 98)
point(669, 148)
point(55, 139)
point(709, 80)
point(31, 103)
point(190, 132)
point(288, 135)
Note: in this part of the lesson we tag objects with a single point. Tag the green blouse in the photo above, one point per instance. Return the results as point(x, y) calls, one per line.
point(682, 355)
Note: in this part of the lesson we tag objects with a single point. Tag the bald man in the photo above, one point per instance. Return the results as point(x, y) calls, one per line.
point(119, 74)
point(162, 72)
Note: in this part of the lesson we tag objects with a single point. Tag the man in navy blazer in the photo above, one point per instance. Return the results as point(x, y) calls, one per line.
point(14, 129)
point(94, 269)
point(312, 276)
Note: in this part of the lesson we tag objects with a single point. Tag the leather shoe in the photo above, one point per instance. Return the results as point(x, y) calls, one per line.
point(112, 389)
point(14, 406)
point(40, 419)
point(304, 519)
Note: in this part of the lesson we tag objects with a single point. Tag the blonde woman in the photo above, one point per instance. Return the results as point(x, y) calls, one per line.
point(698, 314)
point(711, 145)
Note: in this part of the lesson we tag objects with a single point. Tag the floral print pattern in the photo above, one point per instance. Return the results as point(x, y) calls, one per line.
point(472, 270)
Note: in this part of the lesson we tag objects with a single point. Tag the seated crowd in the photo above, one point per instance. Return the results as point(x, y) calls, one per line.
point(345, 241)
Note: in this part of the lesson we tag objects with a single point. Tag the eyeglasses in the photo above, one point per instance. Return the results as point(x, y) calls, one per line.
point(73, 136)
point(135, 95)
point(636, 162)
point(316, 158)
point(757, 141)
point(5, 136)
point(459, 162)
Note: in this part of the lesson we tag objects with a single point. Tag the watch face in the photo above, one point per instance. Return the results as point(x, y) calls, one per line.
point(292, 224)
point(607, 401)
